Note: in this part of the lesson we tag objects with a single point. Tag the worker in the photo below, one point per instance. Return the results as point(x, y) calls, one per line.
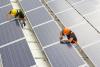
point(71, 38)
point(18, 14)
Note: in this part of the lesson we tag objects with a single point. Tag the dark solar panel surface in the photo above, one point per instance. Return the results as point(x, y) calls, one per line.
point(63, 56)
point(38, 16)
point(3, 13)
point(17, 55)
point(10, 32)
point(28, 5)
point(47, 33)
point(4, 2)
point(14, 50)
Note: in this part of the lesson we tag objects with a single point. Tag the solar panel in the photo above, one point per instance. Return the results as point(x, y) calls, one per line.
point(17, 55)
point(28, 5)
point(94, 53)
point(4, 2)
point(38, 16)
point(48, 33)
point(86, 34)
point(90, 38)
point(94, 19)
point(70, 18)
point(59, 55)
point(86, 6)
point(9, 32)
point(14, 50)
point(4, 12)
point(62, 56)
point(90, 10)
point(59, 3)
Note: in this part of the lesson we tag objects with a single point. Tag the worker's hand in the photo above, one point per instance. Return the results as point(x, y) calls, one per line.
point(67, 41)
point(61, 37)
point(62, 42)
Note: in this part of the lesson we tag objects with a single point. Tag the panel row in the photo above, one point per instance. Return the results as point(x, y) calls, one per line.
point(88, 37)
point(71, 18)
point(17, 55)
point(63, 56)
point(10, 32)
point(90, 10)
point(47, 34)
point(85, 33)
point(59, 55)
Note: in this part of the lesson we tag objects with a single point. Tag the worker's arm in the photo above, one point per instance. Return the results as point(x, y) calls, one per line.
point(68, 40)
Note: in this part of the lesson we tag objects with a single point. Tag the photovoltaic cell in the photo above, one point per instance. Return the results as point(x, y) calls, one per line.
point(17, 55)
point(70, 18)
point(94, 19)
point(48, 33)
point(4, 2)
point(38, 16)
point(10, 32)
point(61, 55)
point(87, 6)
point(59, 5)
point(94, 53)
point(30, 4)
point(4, 14)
